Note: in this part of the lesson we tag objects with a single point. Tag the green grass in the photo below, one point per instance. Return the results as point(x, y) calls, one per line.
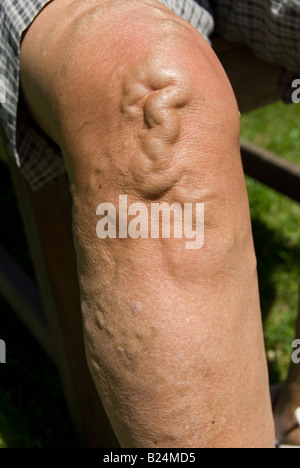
point(32, 409)
point(2, 443)
point(275, 127)
point(276, 232)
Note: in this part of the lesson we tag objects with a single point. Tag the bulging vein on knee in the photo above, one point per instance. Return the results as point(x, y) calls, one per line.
point(154, 100)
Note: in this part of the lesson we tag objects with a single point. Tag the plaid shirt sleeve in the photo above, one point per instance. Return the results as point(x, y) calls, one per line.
point(38, 158)
point(271, 28)
point(14, 18)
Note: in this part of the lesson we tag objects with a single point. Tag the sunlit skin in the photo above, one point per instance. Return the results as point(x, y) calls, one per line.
point(140, 105)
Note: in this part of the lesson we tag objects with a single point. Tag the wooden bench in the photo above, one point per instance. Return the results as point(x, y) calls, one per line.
point(51, 309)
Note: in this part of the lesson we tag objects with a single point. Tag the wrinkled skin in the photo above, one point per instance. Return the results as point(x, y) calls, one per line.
point(140, 105)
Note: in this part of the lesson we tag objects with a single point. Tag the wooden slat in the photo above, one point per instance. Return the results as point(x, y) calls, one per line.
point(21, 293)
point(271, 170)
point(255, 82)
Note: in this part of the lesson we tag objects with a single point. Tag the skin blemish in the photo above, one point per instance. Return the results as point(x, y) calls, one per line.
point(136, 308)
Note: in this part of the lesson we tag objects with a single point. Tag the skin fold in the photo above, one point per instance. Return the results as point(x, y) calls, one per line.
point(140, 106)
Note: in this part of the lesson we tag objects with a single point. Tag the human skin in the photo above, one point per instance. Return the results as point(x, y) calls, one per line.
point(140, 105)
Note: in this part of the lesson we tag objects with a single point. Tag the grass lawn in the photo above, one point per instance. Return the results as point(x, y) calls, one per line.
point(276, 233)
point(32, 408)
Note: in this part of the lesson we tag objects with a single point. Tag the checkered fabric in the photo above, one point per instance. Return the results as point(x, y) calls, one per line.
point(271, 28)
point(38, 160)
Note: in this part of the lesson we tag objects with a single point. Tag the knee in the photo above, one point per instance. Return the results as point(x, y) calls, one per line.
point(153, 115)
point(158, 93)
point(179, 107)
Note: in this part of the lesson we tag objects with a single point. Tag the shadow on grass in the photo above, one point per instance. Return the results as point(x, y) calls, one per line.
point(33, 413)
point(269, 246)
point(12, 237)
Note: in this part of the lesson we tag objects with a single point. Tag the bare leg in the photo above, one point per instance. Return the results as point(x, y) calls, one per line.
point(141, 106)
